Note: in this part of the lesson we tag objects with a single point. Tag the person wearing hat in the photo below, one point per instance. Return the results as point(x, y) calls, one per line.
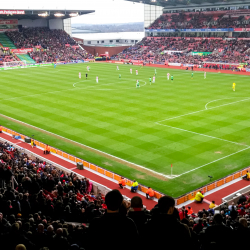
point(122, 182)
point(199, 197)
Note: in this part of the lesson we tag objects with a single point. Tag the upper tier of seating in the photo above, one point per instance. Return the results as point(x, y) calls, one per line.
point(198, 20)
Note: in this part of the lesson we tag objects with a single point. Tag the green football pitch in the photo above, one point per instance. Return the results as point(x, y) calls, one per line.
point(200, 126)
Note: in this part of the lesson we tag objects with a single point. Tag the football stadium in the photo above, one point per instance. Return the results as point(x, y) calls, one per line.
point(121, 141)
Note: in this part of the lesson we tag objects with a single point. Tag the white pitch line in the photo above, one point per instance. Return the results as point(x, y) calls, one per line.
point(248, 147)
point(214, 161)
point(171, 118)
point(97, 150)
point(225, 103)
point(202, 134)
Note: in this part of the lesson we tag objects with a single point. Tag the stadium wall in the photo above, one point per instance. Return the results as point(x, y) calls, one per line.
point(102, 50)
point(33, 23)
point(56, 24)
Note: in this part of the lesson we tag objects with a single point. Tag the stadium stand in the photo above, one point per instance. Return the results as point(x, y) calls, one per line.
point(201, 20)
point(49, 45)
point(6, 42)
point(53, 209)
point(155, 50)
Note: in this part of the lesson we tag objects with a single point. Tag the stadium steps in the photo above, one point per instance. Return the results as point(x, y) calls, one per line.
point(26, 58)
point(6, 42)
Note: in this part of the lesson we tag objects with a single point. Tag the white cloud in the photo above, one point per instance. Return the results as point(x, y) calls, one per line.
point(107, 11)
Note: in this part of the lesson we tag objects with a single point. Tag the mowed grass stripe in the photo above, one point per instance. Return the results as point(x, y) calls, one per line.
point(121, 121)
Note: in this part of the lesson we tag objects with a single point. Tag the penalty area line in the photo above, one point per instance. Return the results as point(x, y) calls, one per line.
point(172, 118)
point(214, 161)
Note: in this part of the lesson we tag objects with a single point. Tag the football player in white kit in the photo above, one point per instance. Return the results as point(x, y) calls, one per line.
point(117, 67)
point(153, 79)
point(80, 75)
point(136, 72)
point(130, 71)
point(97, 79)
point(87, 68)
point(205, 74)
point(168, 75)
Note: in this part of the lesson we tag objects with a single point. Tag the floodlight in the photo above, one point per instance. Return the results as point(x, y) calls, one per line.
point(43, 14)
point(73, 14)
point(59, 14)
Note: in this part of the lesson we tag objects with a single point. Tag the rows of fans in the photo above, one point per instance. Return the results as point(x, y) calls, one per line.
point(50, 209)
point(49, 45)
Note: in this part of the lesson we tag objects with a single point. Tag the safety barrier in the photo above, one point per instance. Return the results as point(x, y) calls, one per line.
point(102, 171)
point(97, 187)
point(212, 186)
point(86, 164)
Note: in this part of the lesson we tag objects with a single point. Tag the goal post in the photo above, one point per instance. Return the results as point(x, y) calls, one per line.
point(14, 64)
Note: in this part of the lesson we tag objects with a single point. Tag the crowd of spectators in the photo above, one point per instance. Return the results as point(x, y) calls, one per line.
point(199, 20)
point(49, 209)
point(5, 58)
point(179, 50)
point(49, 45)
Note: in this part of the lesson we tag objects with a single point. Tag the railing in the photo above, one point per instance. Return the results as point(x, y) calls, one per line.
point(97, 187)
point(86, 164)
point(101, 171)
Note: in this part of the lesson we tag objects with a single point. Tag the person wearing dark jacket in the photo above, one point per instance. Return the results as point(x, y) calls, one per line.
point(113, 227)
point(242, 199)
point(165, 226)
point(138, 214)
point(218, 235)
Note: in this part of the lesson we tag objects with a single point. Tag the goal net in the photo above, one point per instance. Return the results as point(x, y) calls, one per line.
point(14, 64)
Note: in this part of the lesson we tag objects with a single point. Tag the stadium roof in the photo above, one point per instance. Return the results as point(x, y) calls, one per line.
point(46, 14)
point(193, 3)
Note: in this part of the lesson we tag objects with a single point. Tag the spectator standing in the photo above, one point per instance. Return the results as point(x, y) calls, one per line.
point(216, 234)
point(113, 227)
point(138, 214)
point(165, 226)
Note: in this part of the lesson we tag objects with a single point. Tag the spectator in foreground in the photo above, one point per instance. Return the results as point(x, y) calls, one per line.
point(113, 227)
point(138, 214)
point(242, 199)
point(165, 226)
point(216, 234)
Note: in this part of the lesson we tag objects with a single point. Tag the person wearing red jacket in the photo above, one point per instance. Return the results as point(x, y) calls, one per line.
point(122, 182)
point(190, 211)
point(150, 193)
